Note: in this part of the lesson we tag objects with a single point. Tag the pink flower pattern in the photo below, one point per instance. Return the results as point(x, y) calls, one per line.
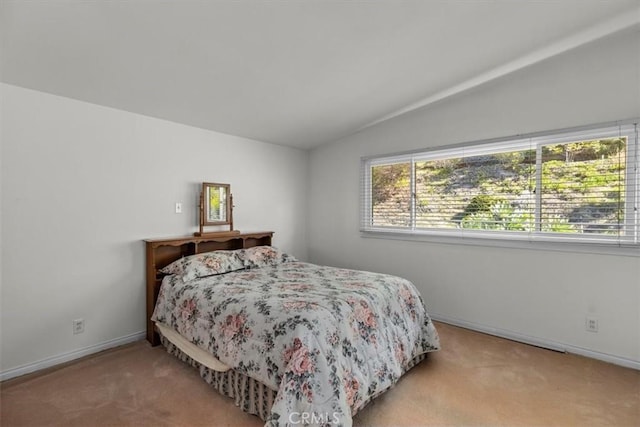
point(300, 287)
point(298, 305)
point(351, 387)
point(299, 358)
point(234, 331)
point(300, 366)
point(327, 339)
point(365, 319)
point(188, 309)
point(212, 263)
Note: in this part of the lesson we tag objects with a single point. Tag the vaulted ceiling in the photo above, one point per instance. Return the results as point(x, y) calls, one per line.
point(297, 73)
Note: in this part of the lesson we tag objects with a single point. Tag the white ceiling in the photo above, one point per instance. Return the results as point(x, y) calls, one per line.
point(297, 73)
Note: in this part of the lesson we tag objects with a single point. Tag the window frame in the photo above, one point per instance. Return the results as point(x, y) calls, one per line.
point(628, 244)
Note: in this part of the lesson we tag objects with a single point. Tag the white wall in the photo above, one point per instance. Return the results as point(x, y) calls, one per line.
point(82, 185)
point(531, 294)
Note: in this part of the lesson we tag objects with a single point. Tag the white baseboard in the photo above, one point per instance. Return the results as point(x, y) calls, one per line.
point(538, 342)
point(503, 333)
point(72, 355)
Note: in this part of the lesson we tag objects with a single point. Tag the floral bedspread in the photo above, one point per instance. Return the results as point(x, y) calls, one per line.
point(326, 339)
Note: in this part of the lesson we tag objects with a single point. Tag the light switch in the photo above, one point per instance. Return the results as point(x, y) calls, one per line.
point(178, 207)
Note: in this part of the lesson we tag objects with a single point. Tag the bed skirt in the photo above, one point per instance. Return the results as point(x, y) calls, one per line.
point(249, 394)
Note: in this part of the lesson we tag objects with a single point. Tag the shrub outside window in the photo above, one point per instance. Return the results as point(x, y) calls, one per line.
point(573, 185)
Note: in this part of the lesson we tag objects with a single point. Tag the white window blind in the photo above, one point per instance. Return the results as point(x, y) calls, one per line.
point(579, 185)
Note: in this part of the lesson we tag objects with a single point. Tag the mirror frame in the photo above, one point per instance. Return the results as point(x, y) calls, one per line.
point(207, 187)
point(205, 208)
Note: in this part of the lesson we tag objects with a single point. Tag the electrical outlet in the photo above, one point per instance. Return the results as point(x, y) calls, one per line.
point(78, 326)
point(178, 207)
point(591, 324)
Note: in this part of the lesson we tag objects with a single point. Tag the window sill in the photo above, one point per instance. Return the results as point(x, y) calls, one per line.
point(557, 246)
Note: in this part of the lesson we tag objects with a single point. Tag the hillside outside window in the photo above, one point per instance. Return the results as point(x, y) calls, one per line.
point(578, 185)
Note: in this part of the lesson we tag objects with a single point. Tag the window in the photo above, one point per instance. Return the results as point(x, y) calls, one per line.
point(578, 185)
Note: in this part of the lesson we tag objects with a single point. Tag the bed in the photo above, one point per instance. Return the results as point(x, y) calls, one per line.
point(291, 342)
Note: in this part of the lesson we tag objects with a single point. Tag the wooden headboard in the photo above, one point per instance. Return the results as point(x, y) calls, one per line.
point(162, 252)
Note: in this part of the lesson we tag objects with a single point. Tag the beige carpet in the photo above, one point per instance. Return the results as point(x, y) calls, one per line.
point(476, 380)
